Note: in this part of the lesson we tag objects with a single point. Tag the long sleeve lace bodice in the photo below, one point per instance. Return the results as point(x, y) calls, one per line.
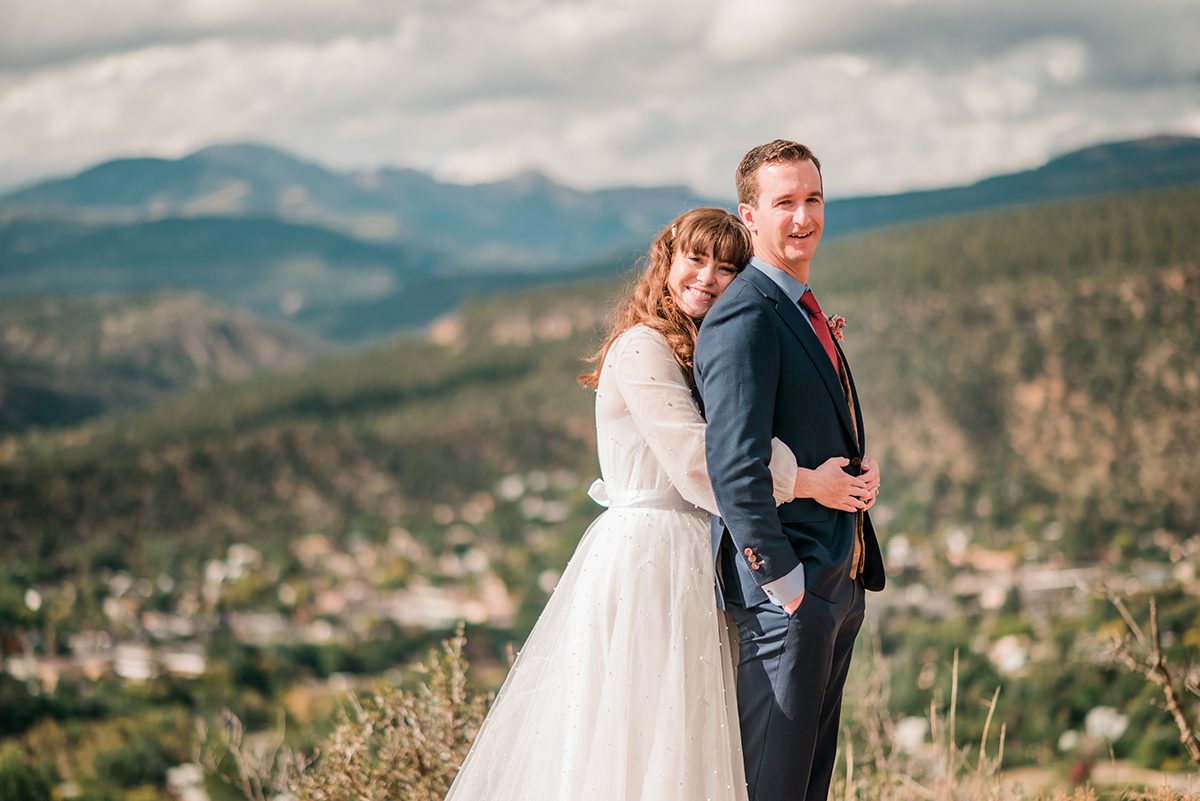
point(649, 432)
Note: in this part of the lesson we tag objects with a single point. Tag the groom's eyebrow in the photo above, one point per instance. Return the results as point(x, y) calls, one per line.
point(787, 197)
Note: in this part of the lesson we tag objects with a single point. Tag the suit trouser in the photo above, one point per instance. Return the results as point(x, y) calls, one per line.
point(791, 673)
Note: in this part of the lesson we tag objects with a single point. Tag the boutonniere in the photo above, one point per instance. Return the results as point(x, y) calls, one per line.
point(837, 325)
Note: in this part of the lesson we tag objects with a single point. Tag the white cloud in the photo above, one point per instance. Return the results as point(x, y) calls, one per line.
point(756, 30)
point(596, 92)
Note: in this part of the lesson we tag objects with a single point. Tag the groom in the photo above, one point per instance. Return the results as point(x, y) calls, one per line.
point(792, 577)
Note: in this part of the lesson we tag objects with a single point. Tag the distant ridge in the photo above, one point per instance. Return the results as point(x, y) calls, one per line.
point(527, 221)
point(1157, 161)
point(529, 217)
point(359, 256)
point(240, 180)
point(263, 265)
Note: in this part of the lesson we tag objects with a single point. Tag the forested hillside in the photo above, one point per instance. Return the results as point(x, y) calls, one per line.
point(1030, 383)
point(67, 359)
point(1067, 326)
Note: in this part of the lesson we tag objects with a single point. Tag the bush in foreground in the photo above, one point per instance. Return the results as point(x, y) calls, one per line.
point(401, 745)
point(396, 745)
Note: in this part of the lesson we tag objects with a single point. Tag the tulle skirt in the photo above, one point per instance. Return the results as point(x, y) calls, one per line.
point(624, 690)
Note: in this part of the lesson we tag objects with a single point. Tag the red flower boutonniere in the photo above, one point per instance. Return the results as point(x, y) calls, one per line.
point(837, 325)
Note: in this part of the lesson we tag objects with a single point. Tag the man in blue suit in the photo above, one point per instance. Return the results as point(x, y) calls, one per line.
point(792, 578)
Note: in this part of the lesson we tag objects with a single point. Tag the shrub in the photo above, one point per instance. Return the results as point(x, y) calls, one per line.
point(397, 745)
point(401, 745)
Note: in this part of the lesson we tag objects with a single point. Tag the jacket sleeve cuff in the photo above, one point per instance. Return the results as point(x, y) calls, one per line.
point(786, 589)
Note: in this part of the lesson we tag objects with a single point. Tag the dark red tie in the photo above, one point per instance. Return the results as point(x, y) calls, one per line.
point(808, 302)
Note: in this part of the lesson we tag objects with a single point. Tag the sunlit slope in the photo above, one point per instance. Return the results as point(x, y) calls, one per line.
point(66, 359)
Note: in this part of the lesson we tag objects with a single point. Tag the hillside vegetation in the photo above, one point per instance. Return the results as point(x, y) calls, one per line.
point(1040, 361)
point(972, 339)
point(1030, 383)
point(66, 359)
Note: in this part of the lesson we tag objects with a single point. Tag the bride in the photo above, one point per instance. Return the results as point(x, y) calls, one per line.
point(624, 689)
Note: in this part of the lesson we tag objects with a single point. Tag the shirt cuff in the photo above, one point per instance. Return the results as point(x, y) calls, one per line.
point(787, 589)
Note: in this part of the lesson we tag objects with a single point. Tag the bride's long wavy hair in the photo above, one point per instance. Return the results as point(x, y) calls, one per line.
point(649, 301)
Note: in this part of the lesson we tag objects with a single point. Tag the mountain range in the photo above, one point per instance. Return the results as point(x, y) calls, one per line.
point(525, 222)
point(1128, 166)
point(358, 256)
point(527, 218)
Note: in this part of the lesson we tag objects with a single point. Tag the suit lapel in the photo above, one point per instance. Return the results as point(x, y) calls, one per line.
point(794, 318)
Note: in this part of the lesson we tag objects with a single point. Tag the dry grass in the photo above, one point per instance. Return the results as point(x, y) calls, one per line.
point(406, 745)
point(876, 768)
point(401, 745)
point(396, 745)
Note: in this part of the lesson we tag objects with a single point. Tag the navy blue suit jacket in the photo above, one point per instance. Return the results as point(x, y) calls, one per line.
point(762, 373)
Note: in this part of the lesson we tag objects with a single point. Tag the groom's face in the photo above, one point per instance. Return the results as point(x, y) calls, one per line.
point(787, 220)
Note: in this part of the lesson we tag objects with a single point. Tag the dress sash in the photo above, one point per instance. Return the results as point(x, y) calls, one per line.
point(665, 500)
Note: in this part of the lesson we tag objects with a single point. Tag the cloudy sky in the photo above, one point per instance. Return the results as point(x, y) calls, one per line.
point(892, 94)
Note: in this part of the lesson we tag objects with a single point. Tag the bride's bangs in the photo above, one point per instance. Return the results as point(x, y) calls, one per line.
point(725, 240)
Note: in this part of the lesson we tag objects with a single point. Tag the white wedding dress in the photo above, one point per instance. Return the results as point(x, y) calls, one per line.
point(624, 689)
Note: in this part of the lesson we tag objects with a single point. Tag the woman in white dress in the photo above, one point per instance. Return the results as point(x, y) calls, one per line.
point(624, 689)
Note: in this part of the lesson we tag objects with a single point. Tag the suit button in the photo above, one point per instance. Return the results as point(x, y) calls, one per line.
point(855, 462)
point(748, 551)
point(755, 566)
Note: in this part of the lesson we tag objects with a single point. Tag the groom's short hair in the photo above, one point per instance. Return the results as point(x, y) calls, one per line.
point(778, 151)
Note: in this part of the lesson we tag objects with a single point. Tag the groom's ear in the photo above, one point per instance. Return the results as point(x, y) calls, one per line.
point(746, 212)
